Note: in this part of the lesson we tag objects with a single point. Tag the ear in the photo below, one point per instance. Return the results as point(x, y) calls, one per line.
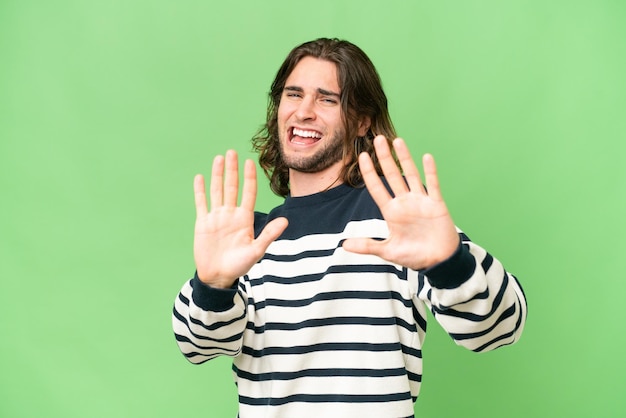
point(364, 125)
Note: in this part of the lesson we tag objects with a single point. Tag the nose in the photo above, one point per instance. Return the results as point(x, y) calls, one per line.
point(306, 109)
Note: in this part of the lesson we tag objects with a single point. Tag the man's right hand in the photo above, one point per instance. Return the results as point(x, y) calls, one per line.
point(224, 244)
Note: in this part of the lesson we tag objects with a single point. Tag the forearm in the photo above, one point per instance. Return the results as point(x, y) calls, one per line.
point(208, 322)
point(477, 302)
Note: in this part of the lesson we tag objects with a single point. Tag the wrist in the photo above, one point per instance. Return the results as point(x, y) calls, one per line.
point(216, 282)
point(212, 298)
point(453, 271)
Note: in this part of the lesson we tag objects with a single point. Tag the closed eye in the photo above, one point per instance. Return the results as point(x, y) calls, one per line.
point(293, 91)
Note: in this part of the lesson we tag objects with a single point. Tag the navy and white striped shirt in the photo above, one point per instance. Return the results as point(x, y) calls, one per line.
point(316, 331)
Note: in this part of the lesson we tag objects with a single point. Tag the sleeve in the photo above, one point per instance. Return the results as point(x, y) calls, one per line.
point(209, 322)
point(479, 304)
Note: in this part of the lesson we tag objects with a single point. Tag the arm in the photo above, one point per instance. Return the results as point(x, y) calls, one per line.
point(210, 311)
point(208, 321)
point(478, 303)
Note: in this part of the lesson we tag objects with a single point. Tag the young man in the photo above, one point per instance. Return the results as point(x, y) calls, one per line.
point(323, 302)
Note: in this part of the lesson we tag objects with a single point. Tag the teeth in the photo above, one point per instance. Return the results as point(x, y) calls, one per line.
point(306, 134)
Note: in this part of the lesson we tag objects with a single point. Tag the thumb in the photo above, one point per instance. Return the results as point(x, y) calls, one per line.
point(271, 231)
point(363, 246)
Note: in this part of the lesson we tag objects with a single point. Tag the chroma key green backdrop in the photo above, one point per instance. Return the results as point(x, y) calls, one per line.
point(109, 108)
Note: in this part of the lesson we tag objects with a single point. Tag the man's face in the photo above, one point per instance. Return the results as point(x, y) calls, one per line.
point(310, 126)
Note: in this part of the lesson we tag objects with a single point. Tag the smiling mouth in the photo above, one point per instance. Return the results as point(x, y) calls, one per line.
point(304, 136)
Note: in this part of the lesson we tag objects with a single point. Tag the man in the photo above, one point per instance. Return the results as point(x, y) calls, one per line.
point(323, 301)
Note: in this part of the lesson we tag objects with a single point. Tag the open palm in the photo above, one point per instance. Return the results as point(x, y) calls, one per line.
point(224, 244)
point(421, 230)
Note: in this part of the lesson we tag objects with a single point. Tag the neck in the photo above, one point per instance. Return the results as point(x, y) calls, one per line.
point(304, 184)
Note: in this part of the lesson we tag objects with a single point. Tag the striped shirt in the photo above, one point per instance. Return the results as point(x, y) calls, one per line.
point(316, 331)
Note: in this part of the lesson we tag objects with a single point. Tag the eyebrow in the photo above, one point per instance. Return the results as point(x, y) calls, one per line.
point(321, 91)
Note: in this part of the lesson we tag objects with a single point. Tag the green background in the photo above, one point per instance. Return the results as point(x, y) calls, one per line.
point(108, 109)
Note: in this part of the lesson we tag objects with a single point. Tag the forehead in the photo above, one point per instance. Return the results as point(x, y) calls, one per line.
point(314, 73)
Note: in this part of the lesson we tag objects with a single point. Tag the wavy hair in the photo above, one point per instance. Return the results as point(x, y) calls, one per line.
point(362, 96)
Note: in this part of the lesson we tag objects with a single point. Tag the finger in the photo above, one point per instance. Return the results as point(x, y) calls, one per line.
point(363, 246)
point(374, 185)
point(248, 196)
point(388, 164)
point(231, 181)
point(200, 195)
point(217, 179)
point(270, 233)
point(432, 180)
point(411, 173)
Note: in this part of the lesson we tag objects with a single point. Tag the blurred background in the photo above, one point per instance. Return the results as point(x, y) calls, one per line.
point(109, 108)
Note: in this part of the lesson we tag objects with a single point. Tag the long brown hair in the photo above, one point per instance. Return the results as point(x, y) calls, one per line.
point(362, 96)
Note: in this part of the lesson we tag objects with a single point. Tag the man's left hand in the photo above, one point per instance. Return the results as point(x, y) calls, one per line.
point(421, 230)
